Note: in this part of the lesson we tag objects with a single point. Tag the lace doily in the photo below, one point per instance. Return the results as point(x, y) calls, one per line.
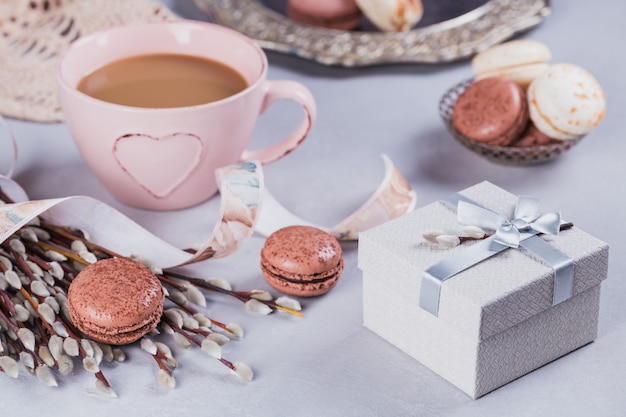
point(33, 33)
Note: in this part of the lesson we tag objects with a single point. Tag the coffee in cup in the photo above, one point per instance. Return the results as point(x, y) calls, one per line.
point(162, 81)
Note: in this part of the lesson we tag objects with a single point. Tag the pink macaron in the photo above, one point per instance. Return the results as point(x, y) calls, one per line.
point(116, 301)
point(333, 14)
point(302, 261)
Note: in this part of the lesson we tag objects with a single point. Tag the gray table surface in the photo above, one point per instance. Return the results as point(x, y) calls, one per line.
point(327, 363)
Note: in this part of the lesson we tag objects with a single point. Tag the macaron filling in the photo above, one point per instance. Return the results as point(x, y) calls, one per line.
point(117, 335)
point(302, 279)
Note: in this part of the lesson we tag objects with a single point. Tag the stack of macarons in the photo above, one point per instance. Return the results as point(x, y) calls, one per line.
point(518, 99)
point(386, 15)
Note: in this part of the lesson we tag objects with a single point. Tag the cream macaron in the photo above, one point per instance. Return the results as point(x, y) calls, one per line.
point(520, 61)
point(566, 102)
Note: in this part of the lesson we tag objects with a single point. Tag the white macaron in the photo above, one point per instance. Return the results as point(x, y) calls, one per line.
point(566, 102)
point(519, 61)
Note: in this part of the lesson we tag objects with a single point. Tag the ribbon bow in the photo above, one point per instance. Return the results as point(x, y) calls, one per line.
point(526, 221)
point(519, 232)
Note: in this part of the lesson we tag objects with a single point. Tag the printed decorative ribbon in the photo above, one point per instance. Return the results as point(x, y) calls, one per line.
point(245, 207)
point(521, 231)
point(393, 198)
point(240, 186)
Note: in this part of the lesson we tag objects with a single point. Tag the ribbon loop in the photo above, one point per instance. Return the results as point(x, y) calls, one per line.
point(471, 214)
point(548, 223)
point(527, 208)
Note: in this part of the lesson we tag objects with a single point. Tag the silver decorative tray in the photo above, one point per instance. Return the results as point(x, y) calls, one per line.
point(448, 31)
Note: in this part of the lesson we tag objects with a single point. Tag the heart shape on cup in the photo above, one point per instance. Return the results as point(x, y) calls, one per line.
point(158, 164)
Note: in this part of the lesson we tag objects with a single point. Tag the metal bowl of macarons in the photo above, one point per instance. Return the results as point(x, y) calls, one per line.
point(519, 109)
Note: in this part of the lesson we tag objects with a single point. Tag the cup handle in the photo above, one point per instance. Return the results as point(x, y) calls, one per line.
point(285, 89)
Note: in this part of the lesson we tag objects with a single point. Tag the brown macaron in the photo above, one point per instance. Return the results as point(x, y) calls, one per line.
point(301, 261)
point(493, 111)
point(116, 301)
point(533, 137)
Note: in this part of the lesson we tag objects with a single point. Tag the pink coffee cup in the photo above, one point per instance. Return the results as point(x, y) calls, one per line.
point(165, 158)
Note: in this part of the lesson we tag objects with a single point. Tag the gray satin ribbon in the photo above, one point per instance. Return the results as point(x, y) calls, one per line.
point(521, 231)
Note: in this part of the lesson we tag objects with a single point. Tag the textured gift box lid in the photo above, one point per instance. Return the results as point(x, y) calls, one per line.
point(491, 296)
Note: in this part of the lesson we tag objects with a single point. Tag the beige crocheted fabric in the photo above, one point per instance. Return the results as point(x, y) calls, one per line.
point(33, 33)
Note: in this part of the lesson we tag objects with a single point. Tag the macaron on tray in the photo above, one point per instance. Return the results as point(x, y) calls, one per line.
point(385, 15)
point(519, 109)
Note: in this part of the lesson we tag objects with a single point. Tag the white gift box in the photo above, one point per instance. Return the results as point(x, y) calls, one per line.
point(496, 320)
